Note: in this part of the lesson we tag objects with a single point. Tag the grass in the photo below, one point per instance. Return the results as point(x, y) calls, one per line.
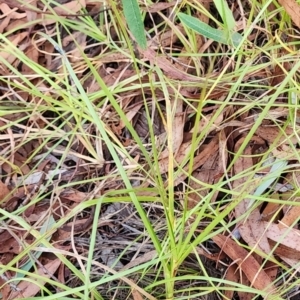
point(180, 154)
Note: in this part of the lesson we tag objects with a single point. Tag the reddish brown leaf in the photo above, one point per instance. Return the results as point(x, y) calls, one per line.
point(136, 295)
point(271, 269)
point(11, 246)
point(251, 268)
point(293, 9)
point(156, 7)
point(286, 236)
point(71, 7)
point(290, 217)
point(271, 134)
point(200, 159)
point(284, 251)
point(252, 231)
point(33, 54)
point(10, 13)
point(15, 40)
point(271, 210)
point(29, 288)
point(245, 295)
point(168, 68)
point(233, 276)
point(4, 192)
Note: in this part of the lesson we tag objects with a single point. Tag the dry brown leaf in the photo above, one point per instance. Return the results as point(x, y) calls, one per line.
point(291, 217)
point(200, 159)
point(214, 257)
point(9, 56)
point(293, 178)
point(4, 192)
point(74, 195)
point(233, 276)
point(136, 295)
point(271, 7)
point(73, 49)
point(33, 54)
point(113, 57)
point(165, 38)
point(271, 209)
point(175, 125)
point(5, 289)
point(207, 175)
point(250, 267)
point(156, 7)
point(236, 123)
point(293, 10)
point(11, 246)
point(16, 3)
point(271, 134)
point(71, 7)
point(245, 295)
point(4, 236)
point(285, 236)
point(205, 120)
point(9, 13)
point(169, 69)
point(283, 248)
point(148, 256)
point(182, 151)
point(29, 288)
point(32, 15)
point(19, 161)
point(285, 152)
point(244, 162)
point(130, 114)
point(277, 113)
point(284, 251)
point(3, 24)
point(111, 79)
point(22, 23)
point(252, 231)
point(271, 268)
point(294, 263)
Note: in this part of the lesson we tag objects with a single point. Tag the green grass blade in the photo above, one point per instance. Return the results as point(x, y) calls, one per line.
point(226, 14)
point(210, 32)
point(134, 20)
point(101, 128)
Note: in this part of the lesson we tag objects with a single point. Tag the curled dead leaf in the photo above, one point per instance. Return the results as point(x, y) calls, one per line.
point(248, 264)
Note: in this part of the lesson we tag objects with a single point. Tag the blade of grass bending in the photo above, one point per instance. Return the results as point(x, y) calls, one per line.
point(32, 257)
point(226, 14)
point(134, 20)
point(217, 35)
point(40, 239)
point(110, 147)
point(105, 136)
point(29, 263)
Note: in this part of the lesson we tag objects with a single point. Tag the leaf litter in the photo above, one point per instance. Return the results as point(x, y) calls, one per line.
point(53, 168)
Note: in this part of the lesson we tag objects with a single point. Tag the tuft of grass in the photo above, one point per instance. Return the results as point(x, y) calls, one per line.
point(169, 148)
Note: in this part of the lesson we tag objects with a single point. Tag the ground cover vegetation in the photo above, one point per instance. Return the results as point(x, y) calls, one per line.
point(160, 163)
